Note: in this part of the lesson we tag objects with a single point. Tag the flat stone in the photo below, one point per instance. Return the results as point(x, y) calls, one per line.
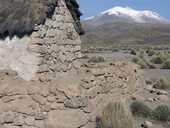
point(30, 121)
point(72, 118)
point(26, 106)
point(76, 102)
point(38, 98)
point(77, 64)
point(19, 121)
point(40, 116)
point(70, 86)
point(40, 124)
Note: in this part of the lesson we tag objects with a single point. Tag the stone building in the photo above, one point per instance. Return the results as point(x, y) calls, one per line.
point(43, 83)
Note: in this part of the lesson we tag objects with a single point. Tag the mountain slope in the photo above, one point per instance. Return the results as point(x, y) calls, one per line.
point(125, 26)
point(126, 33)
point(120, 14)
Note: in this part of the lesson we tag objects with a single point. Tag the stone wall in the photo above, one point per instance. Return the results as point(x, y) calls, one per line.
point(66, 102)
point(52, 50)
point(44, 85)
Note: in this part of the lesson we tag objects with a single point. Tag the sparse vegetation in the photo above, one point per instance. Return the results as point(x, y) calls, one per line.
point(166, 65)
point(162, 113)
point(133, 52)
point(85, 57)
point(160, 58)
point(115, 50)
point(147, 81)
point(151, 53)
point(162, 83)
point(95, 59)
point(140, 109)
point(135, 60)
point(115, 115)
point(142, 64)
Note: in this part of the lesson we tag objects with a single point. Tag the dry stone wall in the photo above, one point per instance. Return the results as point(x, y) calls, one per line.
point(52, 50)
point(66, 102)
point(44, 85)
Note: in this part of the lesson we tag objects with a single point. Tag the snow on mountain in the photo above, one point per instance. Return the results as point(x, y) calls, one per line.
point(126, 14)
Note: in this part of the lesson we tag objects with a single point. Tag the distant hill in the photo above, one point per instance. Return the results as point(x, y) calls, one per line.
point(126, 25)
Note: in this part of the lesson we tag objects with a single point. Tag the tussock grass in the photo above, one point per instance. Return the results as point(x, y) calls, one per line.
point(162, 83)
point(115, 115)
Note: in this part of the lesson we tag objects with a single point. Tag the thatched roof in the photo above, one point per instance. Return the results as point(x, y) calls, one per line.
point(18, 17)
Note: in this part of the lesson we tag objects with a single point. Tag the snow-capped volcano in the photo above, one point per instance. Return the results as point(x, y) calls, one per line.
point(127, 14)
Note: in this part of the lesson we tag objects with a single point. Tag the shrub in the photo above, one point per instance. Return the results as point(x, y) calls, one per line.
point(95, 59)
point(152, 66)
point(85, 57)
point(158, 59)
point(147, 81)
point(101, 59)
point(133, 52)
point(140, 109)
point(162, 83)
point(162, 113)
point(166, 65)
point(142, 63)
point(151, 53)
point(115, 115)
point(135, 60)
point(115, 50)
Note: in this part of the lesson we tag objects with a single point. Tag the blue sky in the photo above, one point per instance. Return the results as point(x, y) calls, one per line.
point(93, 7)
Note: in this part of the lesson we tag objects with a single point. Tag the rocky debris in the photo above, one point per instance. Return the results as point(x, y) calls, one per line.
point(147, 124)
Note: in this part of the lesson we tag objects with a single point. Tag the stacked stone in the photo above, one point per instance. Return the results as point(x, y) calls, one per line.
point(66, 102)
point(58, 44)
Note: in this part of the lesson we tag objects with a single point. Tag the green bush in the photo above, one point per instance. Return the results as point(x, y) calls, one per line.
point(166, 65)
point(140, 109)
point(162, 113)
point(162, 83)
point(115, 115)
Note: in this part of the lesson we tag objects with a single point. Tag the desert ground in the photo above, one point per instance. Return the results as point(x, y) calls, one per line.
point(154, 61)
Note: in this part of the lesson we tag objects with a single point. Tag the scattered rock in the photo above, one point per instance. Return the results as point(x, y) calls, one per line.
point(161, 92)
point(147, 124)
point(150, 99)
